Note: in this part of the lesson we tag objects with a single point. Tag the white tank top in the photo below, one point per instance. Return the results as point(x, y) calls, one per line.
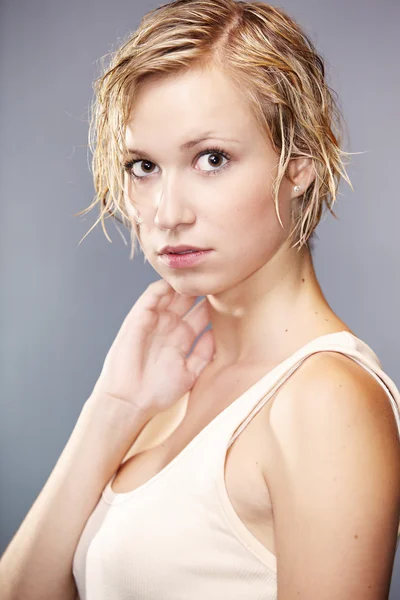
point(177, 536)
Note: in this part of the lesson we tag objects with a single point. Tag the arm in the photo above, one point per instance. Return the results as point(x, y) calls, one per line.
point(37, 563)
point(334, 478)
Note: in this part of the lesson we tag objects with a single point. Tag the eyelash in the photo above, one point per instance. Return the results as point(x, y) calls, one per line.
point(128, 165)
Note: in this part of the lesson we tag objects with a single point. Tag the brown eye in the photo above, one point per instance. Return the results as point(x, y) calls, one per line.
point(212, 159)
point(146, 166)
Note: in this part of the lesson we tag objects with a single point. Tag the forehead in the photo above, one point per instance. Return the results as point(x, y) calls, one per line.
point(177, 107)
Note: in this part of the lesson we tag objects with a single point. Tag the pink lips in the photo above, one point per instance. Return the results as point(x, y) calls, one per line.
point(179, 261)
point(181, 248)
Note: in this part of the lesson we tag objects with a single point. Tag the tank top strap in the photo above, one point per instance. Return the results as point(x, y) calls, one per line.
point(264, 389)
point(264, 399)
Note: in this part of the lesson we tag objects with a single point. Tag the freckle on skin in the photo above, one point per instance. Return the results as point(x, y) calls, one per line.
point(303, 280)
point(356, 536)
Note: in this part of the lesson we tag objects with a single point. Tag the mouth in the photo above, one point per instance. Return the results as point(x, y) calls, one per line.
point(181, 249)
point(187, 258)
point(183, 252)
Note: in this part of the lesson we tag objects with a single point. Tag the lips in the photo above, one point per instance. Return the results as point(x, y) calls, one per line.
point(185, 260)
point(179, 249)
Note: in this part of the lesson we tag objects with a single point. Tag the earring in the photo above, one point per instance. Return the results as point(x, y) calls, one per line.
point(297, 188)
point(138, 218)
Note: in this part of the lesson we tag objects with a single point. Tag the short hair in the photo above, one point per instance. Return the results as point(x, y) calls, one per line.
point(274, 66)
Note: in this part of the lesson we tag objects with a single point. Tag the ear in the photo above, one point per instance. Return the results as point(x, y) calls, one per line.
point(301, 172)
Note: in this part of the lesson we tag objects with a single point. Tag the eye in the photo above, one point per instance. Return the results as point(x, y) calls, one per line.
point(215, 155)
point(136, 167)
point(146, 168)
point(214, 152)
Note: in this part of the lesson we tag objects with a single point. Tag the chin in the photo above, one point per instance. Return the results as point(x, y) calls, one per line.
point(188, 283)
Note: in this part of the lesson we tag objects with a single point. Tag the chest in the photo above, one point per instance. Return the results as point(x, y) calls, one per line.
point(245, 459)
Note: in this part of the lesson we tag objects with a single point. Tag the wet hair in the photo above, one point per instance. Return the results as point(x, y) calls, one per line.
point(272, 63)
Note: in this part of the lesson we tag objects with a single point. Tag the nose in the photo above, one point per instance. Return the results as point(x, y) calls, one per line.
point(172, 207)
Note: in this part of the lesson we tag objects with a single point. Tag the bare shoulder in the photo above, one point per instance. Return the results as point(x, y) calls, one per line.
point(333, 473)
point(329, 384)
point(331, 393)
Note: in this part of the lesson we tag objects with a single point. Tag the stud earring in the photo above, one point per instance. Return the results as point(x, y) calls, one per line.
point(297, 188)
point(138, 218)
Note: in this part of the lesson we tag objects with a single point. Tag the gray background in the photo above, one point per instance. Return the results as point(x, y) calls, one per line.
point(62, 305)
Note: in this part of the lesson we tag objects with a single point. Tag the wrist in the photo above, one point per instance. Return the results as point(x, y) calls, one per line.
point(114, 407)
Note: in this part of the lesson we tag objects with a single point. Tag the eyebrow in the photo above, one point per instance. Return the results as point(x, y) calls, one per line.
point(190, 143)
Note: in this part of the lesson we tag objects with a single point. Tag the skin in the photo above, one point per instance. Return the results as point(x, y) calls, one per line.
point(264, 298)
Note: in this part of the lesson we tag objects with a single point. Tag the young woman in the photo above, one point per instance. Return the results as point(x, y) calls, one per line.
point(257, 459)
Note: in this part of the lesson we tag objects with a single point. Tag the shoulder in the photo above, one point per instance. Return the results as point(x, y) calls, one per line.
point(333, 473)
point(329, 400)
point(330, 385)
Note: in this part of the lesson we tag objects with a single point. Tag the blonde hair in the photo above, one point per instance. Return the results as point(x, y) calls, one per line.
point(271, 61)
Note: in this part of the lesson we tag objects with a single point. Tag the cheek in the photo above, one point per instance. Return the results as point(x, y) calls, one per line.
point(127, 201)
point(260, 208)
point(130, 209)
point(249, 216)
point(249, 203)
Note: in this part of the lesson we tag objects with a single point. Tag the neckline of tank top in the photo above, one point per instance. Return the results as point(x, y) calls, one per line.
point(112, 497)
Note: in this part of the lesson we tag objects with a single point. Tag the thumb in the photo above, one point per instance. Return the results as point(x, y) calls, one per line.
point(200, 366)
point(196, 364)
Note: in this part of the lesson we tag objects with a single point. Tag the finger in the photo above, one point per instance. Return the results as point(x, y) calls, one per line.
point(202, 353)
point(154, 294)
point(177, 303)
point(181, 304)
point(198, 317)
point(147, 306)
point(205, 346)
point(196, 320)
point(160, 295)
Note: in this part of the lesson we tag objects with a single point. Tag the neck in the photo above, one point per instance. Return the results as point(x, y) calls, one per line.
point(272, 312)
